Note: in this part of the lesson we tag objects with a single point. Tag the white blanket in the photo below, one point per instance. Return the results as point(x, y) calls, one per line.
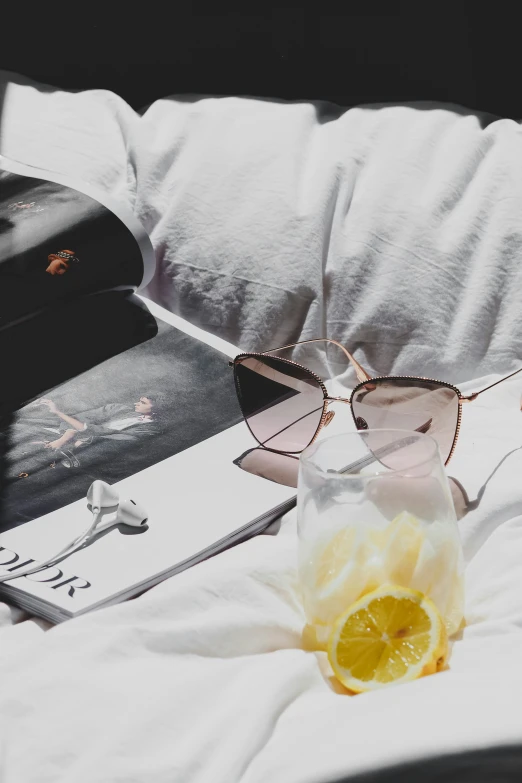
point(413, 217)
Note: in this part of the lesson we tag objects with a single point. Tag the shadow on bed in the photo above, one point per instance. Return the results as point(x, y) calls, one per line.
point(460, 497)
point(499, 764)
point(283, 469)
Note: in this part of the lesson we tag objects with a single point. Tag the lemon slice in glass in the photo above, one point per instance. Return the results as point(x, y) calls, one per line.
point(402, 545)
point(340, 573)
point(390, 636)
point(336, 554)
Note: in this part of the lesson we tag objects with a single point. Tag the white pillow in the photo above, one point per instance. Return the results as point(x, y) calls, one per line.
point(394, 229)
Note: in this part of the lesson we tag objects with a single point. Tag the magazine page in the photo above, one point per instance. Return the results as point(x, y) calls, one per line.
point(122, 415)
point(61, 240)
point(161, 422)
point(48, 349)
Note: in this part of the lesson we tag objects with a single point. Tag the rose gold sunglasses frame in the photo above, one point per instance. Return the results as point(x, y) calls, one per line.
point(364, 379)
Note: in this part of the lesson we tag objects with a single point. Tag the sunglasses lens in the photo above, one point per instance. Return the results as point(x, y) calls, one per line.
point(281, 402)
point(406, 404)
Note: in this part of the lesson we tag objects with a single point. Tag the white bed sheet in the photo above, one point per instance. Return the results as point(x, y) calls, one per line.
point(204, 678)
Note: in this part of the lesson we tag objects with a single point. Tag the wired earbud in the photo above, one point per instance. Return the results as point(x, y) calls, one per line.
point(131, 513)
point(100, 496)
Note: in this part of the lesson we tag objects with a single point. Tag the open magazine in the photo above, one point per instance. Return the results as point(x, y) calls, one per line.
point(98, 383)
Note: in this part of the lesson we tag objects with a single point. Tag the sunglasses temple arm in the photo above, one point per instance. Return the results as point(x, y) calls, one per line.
point(361, 373)
point(474, 396)
point(383, 452)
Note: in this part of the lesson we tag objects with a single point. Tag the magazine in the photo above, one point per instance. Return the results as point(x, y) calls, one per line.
point(100, 383)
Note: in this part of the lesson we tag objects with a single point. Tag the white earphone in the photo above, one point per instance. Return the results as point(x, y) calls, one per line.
point(100, 496)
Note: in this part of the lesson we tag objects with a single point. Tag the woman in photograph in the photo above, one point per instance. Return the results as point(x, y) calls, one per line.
point(114, 421)
point(61, 434)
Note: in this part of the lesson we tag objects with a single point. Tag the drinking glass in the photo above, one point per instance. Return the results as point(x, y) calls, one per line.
point(374, 508)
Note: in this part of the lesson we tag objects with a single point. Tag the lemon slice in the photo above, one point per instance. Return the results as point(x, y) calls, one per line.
point(340, 573)
point(390, 636)
point(454, 609)
point(402, 545)
point(335, 556)
point(357, 559)
point(438, 574)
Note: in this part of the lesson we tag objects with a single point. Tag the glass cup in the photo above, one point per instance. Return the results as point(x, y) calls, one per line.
point(374, 508)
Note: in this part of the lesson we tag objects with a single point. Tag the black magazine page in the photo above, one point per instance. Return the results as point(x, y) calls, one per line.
point(60, 240)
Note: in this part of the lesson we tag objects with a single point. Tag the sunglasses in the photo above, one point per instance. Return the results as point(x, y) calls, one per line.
point(285, 405)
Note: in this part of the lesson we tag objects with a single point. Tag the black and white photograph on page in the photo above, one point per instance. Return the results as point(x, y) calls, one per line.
point(117, 418)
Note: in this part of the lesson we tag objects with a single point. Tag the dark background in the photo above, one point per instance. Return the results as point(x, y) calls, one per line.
point(347, 52)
